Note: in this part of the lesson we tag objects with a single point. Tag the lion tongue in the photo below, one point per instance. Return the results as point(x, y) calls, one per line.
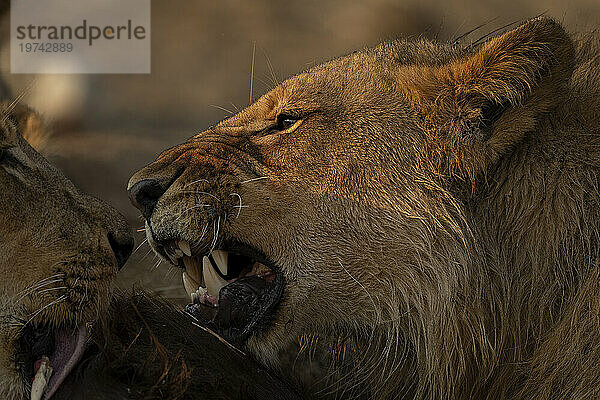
point(68, 351)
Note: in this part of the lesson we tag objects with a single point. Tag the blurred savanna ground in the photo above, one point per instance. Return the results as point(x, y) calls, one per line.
point(108, 126)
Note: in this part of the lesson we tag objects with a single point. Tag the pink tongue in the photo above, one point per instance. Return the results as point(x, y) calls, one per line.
point(69, 349)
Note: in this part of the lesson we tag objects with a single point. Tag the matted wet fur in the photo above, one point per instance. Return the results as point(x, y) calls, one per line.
point(437, 204)
point(148, 349)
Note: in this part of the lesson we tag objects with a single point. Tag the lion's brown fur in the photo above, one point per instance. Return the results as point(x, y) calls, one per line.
point(57, 257)
point(438, 204)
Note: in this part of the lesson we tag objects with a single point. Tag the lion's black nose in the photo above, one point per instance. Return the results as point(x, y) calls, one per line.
point(145, 194)
point(121, 244)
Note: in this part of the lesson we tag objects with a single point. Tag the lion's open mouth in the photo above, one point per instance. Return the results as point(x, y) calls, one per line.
point(47, 357)
point(234, 290)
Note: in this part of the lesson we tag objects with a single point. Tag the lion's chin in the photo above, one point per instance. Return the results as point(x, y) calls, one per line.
point(49, 356)
point(243, 307)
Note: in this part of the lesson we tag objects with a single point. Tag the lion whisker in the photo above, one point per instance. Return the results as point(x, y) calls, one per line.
point(147, 253)
point(222, 109)
point(274, 80)
point(197, 181)
point(51, 289)
point(43, 280)
point(140, 245)
point(38, 286)
point(237, 109)
point(157, 264)
point(216, 234)
point(254, 180)
point(200, 192)
point(238, 207)
point(55, 302)
point(18, 99)
point(197, 242)
point(252, 71)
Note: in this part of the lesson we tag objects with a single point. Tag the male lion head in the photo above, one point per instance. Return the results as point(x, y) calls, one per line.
point(398, 195)
point(59, 251)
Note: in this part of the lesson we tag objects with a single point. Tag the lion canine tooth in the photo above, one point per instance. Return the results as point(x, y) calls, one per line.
point(185, 247)
point(42, 376)
point(189, 284)
point(221, 258)
point(172, 258)
point(198, 293)
point(193, 267)
point(213, 281)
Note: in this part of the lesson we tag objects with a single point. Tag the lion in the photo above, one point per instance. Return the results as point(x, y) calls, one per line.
point(434, 206)
point(60, 250)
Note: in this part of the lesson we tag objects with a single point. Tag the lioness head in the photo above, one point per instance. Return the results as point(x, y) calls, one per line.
point(59, 251)
point(354, 198)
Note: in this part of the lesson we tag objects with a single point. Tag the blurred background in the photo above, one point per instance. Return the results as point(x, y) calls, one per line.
point(108, 126)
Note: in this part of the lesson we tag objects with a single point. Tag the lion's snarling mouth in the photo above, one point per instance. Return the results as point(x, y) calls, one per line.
point(47, 355)
point(233, 290)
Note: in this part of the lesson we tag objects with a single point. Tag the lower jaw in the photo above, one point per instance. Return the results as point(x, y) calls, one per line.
point(50, 358)
point(241, 311)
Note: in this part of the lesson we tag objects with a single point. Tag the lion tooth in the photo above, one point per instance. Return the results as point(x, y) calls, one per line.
point(178, 253)
point(172, 258)
point(213, 280)
point(198, 293)
point(185, 247)
point(193, 267)
point(189, 284)
point(221, 258)
point(40, 381)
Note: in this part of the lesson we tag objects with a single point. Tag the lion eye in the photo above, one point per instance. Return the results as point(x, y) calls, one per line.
point(285, 121)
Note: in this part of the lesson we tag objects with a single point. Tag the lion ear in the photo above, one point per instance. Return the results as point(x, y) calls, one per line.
point(490, 98)
point(30, 125)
